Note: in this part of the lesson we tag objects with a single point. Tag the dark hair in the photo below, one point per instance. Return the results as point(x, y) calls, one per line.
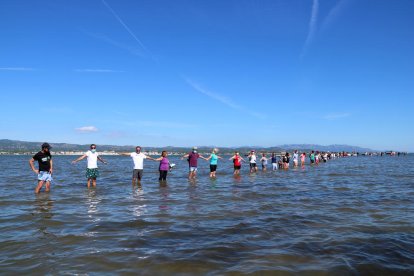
point(93, 145)
point(162, 153)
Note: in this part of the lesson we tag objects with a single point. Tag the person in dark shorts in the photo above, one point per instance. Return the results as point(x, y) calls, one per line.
point(213, 162)
point(164, 166)
point(45, 162)
point(138, 158)
point(92, 171)
point(312, 157)
point(237, 159)
point(252, 161)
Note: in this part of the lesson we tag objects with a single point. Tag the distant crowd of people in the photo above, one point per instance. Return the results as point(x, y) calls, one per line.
point(45, 163)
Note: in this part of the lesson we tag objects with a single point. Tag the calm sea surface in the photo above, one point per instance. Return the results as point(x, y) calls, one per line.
point(349, 216)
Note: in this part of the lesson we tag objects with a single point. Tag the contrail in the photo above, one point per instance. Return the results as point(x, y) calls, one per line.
point(222, 99)
point(334, 13)
point(124, 25)
point(312, 27)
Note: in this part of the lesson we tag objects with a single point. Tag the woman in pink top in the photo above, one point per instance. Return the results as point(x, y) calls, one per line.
point(164, 166)
point(302, 159)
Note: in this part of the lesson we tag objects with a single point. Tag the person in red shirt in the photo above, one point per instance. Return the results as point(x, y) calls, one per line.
point(237, 159)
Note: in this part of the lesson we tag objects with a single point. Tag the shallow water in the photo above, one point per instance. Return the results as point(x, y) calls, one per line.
point(348, 216)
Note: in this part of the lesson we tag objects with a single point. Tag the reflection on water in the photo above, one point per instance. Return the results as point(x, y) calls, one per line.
point(139, 208)
point(92, 201)
point(164, 193)
point(43, 214)
point(43, 205)
point(348, 216)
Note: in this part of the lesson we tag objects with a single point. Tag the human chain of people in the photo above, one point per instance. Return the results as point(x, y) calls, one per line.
point(45, 163)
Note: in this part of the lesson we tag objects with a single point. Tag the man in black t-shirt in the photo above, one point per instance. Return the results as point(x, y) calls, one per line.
point(44, 173)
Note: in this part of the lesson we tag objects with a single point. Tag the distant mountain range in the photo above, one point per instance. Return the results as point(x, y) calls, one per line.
point(15, 146)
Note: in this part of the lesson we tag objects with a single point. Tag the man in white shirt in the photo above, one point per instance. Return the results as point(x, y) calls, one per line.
point(92, 172)
point(138, 158)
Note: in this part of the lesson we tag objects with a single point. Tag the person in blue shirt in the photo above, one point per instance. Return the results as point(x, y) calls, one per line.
point(213, 162)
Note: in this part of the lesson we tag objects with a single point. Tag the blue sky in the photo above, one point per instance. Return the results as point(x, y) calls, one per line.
point(223, 73)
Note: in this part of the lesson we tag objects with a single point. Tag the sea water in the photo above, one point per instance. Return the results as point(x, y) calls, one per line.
point(348, 216)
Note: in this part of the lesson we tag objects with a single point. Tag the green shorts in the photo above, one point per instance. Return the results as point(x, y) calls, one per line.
point(92, 173)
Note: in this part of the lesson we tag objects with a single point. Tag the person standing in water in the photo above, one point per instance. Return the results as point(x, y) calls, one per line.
point(237, 159)
point(213, 162)
point(302, 159)
point(44, 173)
point(295, 158)
point(192, 162)
point(92, 172)
point(263, 160)
point(164, 166)
point(252, 161)
point(312, 157)
point(286, 160)
point(138, 159)
point(274, 162)
point(317, 156)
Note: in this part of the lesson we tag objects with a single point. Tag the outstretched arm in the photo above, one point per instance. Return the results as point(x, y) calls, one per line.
point(100, 159)
point(202, 157)
point(125, 153)
point(185, 156)
point(79, 159)
point(150, 158)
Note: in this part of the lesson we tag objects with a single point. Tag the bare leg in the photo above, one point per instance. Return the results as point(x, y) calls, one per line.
point(134, 181)
point(39, 186)
point(47, 186)
point(94, 182)
point(89, 183)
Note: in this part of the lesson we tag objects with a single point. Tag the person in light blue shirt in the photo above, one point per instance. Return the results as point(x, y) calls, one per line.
point(213, 162)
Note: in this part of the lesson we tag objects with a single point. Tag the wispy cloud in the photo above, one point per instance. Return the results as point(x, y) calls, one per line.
point(87, 129)
point(98, 71)
point(336, 116)
point(312, 27)
point(124, 25)
point(222, 99)
point(16, 69)
point(137, 51)
point(212, 95)
point(334, 13)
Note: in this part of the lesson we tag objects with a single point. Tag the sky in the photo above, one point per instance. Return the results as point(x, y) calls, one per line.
point(200, 73)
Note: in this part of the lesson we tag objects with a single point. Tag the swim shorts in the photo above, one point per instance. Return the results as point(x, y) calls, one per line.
point(44, 176)
point(137, 174)
point(92, 173)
